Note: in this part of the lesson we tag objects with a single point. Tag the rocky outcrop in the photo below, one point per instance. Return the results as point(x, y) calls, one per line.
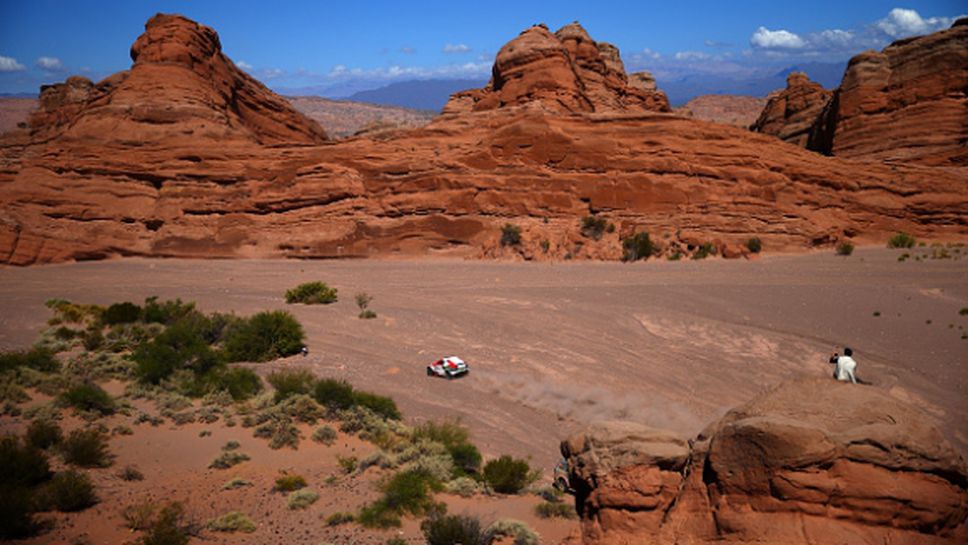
point(169, 159)
point(735, 110)
point(907, 103)
point(181, 90)
point(810, 462)
point(566, 71)
point(791, 114)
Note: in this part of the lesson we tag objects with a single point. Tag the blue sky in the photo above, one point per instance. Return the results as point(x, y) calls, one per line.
point(314, 43)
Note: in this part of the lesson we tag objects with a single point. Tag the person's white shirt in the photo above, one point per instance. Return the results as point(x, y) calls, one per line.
point(845, 369)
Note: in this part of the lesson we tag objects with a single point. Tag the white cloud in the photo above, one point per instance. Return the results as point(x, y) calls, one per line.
point(456, 48)
point(50, 64)
point(717, 44)
point(10, 64)
point(834, 38)
point(244, 66)
point(692, 56)
point(776, 39)
point(901, 22)
point(270, 73)
point(407, 50)
point(651, 54)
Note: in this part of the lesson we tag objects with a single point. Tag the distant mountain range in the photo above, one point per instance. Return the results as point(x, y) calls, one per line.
point(429, 94)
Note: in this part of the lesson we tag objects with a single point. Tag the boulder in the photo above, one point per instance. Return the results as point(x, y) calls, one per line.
point(791, 114)
point(814, 461)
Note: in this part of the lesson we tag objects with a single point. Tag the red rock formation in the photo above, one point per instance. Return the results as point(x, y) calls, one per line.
point(810, 462)
point(736, 110)
point(160, 161)
point(791, 114)
point(562, 72)
point(907, 103)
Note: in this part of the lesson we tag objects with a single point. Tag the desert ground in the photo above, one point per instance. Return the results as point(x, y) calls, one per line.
point(555, 346)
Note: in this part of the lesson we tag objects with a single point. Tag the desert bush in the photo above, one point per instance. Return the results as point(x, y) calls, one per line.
point(16, 512)
point(555, 509)
point(363, 301)
point(312, 293)
point(325, 435)
point(409, 492)
point(239, 382)
point(452, 529)
point(334, 394)
point(140, 516)
point(43, 433)
point(704, 250)
point(86, 448)
point(93, 339)
point(280, 431)
point(510, 235)
point(64, 333)
point(467, 459)
point(302, 499)
point(181, 346)
point(636, 247)
point(289, 382)
point(231, 445)
point(463, 486)
point(228, 459)
point(348, 464)
point(264, 336)
point(288, 482)
point(121, 313)
point(166, 312)
point(754, 245)
point(236, 483)
point(39, 359)
point(446, 432)
point(233, 521)
point(381, 405)
point(594, 227)
point(131, 473)
point(845, 248)
point(70, 491)
point(901, 240)
point(521, 532)
point(168, 528)
point(376, 515)
point(507, 475)
point(89, 397)
point(21, 464)
point(338, 518)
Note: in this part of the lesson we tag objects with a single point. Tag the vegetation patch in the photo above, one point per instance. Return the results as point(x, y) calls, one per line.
point(39, 359)
point(325, 435)
point(312, 293)
point(263, 337)
point(901, 240)
point(89, 397)
point(288, 382)
point(557, 509)
point(44, 433)
point(636, 247)
point(845, 248)
point(302, 499)
point(236, 483)
point(70, 491)
point(510, 235)
point(228, 459)
point(407, 492)
point(86, 448)
point(452, 529)
point(288, 482)
point(168, 528)
point(338, 518)
point(594, 227)
point(754, 245)
point(507, 475)
point(363, 301)
point(233, 521)
point(520, 532)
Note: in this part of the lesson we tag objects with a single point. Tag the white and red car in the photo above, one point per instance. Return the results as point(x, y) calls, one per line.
point(449, 367)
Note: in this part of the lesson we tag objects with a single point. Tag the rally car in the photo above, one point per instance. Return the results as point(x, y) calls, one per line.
point(449, 367)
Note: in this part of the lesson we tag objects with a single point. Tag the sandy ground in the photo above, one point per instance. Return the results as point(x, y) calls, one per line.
point(555, 346)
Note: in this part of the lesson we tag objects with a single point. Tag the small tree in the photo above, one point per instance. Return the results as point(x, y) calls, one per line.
point(901, 240)
point(845, 248)
point(754, 245)
point(510, 235)
point(363, 301)
point(636, 247)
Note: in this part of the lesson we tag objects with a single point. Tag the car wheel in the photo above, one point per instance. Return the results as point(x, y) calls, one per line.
point(429, 372)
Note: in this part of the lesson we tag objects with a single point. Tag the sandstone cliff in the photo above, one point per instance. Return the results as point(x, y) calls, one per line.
point(566, 71)
point(809, 462)
point(791, 114)
point(159, 161)
point(907, 103)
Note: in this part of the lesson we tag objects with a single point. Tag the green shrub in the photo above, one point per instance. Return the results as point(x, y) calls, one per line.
point(467, 459)
point(70, 491)
point(21, 465)
point(289, 483)
point(901, 240)
point(704, 250)
point(510, 235)
point(230, 445)
point(121, 313)
point(446, 432)
point(181, 346)
point(339, 518)
point(169, 528)
point(963, 311)
point(43, 433)
point(312, 293)
point(522, 534)
point(348, 464)
point(166, 312)
point(240, 383)
point(376, 515)
point(233, 521)
point(367, 315)
point(636, 247)
point(89, 397)
point(16, 512)
point(63, 333)
point(381, 405)
point(754, 245)
point(228, 459)
point(410, 492)
point(334, 394)
point(131, 473)
point(40, 359)
point(93, 340)
point(463, 486)
point(593, 227)
point(280, 431)
point(363, 301)
point(264, 336)
point(507, 475)
point(325, 435)
point(86, 448)
point(845, 248)
point(550, 509)
point(140, 516)
point(236, 483)
point(302, 499)
point(452, 529)
point(289, 382)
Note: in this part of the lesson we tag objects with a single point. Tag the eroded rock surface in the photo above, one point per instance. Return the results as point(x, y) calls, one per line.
point(791, 114)
point(815, 461)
